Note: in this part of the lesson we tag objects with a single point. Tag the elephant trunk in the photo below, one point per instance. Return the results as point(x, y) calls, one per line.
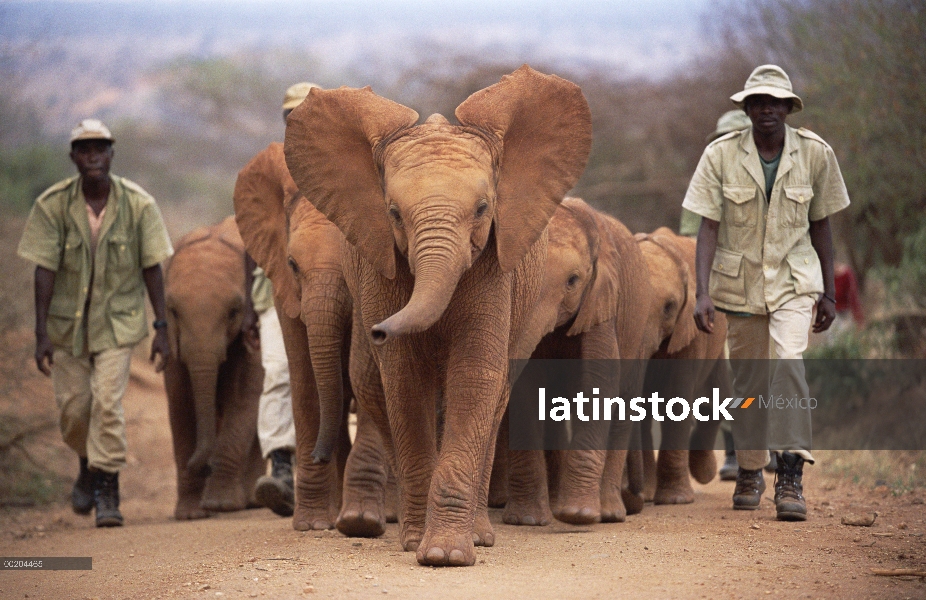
point(437, 265)
point(204, 378)
point(327, 314)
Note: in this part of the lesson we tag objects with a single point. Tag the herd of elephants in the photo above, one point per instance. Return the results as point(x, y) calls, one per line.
point(410, 262)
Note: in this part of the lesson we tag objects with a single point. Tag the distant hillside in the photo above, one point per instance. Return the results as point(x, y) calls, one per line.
point(75, 58)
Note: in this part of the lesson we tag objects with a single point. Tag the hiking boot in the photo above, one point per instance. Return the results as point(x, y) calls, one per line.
point(772, 465)
point(82, 492)
point(749, 488)
point(275, 491)
point(106, 498)
point(730, 468)
point(789, 499)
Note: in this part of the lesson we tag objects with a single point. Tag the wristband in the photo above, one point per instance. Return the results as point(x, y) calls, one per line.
point(833, 300)
point(159, 324)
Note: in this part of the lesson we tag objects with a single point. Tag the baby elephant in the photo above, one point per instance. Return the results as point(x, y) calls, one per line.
point(213, 379)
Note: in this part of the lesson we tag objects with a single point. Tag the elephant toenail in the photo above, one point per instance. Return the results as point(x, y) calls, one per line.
point(436, 555)
point(457, 557)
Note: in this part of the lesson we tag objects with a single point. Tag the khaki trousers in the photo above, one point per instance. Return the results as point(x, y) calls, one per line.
point(757, 429)
point(275, 428)
point(89, 393)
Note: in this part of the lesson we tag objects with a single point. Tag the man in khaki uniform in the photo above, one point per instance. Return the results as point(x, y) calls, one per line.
point(97, 241)
point(765, 258)
point(275, 428)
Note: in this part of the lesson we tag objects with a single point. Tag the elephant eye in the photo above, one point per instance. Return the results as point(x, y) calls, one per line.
point(293, 265)
point(572, 281)
point(669, 307)
point(482, 208)
point(396, 215)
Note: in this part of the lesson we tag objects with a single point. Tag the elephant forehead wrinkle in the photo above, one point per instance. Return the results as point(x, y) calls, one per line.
point(453, 148)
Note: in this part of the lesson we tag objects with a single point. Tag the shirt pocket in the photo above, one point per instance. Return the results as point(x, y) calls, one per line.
point(728, 283)
point(806, 273)
point(121, 253)
point(740, 205)
point(72, 257)
point(796, 205)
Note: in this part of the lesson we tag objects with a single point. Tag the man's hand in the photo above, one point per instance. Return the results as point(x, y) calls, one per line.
point(826, 314)
point(250, 330)
point(704, 314)
point(44, 351)
point(160, 347)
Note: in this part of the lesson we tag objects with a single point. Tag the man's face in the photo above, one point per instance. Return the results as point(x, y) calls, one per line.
point(767, 113)
point(92, 158)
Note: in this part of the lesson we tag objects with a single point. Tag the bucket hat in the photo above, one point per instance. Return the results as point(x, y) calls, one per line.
point(771, 80)
point(732, 120)
point(91, 129)
point(296, 94)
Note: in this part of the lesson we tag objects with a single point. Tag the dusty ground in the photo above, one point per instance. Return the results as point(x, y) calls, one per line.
point(704, 550)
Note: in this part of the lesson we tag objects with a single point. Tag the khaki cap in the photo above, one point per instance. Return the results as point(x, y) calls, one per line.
point(732, 120)
point(771, 80)
point(296, 94)
point(91, 129)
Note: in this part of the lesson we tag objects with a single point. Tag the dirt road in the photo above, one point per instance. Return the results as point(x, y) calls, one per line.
point(704, 550)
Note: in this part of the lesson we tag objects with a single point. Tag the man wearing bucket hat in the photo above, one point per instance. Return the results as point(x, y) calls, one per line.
point(765, 258)
point(275, 428)
point(97, 241)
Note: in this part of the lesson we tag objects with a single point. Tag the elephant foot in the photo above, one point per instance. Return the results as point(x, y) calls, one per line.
point(578, 515)
point(578, 511)
point(531, 513)
point(362, 519)
point(223, 497)
point(703, 465)
point(483, 533)
point(306, 519)
point(498, 498)
point(675, 492)
point(448, 550)
point(187, 511)
point(633, 503)
point(411, 538)
point(613, 509)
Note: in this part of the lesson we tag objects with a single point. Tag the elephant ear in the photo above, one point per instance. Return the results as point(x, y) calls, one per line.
point(544, 127)
point(260, 196)
point(599, 304)
point(330, 139)
point(682, 250)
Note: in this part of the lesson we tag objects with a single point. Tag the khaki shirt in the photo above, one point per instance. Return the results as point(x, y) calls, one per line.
point(132, 238)
point(764, 256)
point(261, 292)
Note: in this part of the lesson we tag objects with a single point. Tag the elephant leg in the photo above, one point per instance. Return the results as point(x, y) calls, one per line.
point(632, 487)
point(673, 485)
point(612, 502)
point(316, 483)
point(255, 467)
point(498, 483)
point(363, 513)
point(702, 463)
point(528, 494)
point(182, 418)
point(483, 532)
point(579, 497)
point(475, 398)
point(411, 430)
point(393, 495)
point(238, 392)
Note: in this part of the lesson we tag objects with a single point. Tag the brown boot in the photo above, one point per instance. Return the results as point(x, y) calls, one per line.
point(750, 485)
point(789, 499)
point(82, 492)
point(106, 498)
point(275, 491)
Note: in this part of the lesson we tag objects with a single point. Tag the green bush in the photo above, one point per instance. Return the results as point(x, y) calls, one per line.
point(27, 172)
